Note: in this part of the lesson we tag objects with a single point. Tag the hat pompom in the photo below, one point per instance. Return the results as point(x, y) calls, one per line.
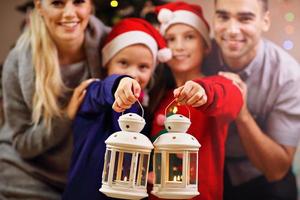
point(164, 54)
point(165, 15)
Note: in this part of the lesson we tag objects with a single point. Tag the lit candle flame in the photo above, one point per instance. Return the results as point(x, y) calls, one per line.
point(125, 178)
point(174, 178)
point(175, 109)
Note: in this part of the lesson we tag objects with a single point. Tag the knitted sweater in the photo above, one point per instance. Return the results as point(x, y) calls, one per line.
point(209, 126)
point(44, 155)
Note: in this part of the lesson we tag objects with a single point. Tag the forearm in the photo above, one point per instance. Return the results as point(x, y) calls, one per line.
point(34, 141)
point(273, 159)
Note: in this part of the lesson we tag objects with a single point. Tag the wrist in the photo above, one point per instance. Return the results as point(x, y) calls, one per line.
point(244, 116)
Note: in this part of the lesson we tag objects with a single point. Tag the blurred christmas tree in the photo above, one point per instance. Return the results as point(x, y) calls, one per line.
point(111, 11)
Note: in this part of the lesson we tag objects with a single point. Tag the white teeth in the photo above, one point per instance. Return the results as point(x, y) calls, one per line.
point(69, 24)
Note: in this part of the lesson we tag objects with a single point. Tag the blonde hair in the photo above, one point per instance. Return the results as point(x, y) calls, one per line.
point(49, 85)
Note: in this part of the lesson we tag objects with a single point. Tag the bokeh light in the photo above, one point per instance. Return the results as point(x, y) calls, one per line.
point(288, 45)
point(290, 16)
point(289, 29)
point(114, 3)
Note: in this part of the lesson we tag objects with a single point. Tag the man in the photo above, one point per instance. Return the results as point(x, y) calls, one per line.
point(262, 141)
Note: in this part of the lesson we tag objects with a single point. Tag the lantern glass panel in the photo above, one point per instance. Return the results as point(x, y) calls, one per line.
point(157, 168)
point(106, 165)
point(175, 168)
point(116, 167)
point(193, 168)
point(126, 167)
point(122, 167)
point(142, 168)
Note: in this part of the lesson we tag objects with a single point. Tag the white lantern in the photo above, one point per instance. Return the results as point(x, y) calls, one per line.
point(175, 161)
point(127, 156)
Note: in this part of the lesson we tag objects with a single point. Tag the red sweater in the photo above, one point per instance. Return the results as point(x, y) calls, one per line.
point(209, 126)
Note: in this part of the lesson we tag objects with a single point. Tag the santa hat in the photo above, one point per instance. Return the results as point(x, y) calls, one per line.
point(184, 13)
point(132, 31)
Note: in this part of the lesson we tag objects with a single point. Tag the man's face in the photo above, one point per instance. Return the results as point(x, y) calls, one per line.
point(238, 25)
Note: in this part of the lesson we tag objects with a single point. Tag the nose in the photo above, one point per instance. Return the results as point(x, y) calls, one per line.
point(178, 44)
point(233, 27)
point(69, 9)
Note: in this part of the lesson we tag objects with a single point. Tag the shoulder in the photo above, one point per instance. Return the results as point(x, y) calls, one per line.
point(96, 30)
point(283, 65)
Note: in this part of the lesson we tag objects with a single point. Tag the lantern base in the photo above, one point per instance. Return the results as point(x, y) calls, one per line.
point(122, 193)
point(178, 194)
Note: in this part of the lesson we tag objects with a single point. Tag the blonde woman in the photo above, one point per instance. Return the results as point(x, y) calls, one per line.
point(56, 54)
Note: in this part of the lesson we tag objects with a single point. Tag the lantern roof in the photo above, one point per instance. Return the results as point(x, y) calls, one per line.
point(177, 123)
point(131, 122)
point(129, 140)
point(177, 141)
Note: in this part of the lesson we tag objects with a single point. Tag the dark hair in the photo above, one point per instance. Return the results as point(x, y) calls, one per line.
point(265, 4)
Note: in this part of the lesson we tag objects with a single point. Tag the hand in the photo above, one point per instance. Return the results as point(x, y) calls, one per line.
point(191, 93)
point(77, 98)
point(127, 93)
point(236, 80)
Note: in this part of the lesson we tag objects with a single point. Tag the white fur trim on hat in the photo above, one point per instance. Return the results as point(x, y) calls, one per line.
point(164, 55)
point(185, 17)
point(164, 15)
point(126, 39)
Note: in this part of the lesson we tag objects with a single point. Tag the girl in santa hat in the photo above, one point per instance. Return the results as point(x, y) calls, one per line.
point(129, 56)
point(213, 101)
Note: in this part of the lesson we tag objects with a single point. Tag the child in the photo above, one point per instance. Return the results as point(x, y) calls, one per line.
point(131, 49)
point(213, 101)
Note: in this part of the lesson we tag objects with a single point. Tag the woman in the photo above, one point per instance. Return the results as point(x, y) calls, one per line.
point(57, 52)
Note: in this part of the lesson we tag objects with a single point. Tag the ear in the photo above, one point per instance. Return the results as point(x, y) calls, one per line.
point(38, 6)
point(266, 21)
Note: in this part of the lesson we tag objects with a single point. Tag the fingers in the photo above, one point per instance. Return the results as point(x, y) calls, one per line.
point(77, 98)
point(236, 80)
point(83, 85)
point(191, 93)
point(126, 94)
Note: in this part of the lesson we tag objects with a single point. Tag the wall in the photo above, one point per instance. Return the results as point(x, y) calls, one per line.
point(10, 20)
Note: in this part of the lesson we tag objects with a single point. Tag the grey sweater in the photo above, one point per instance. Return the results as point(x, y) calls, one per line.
point(43, 155)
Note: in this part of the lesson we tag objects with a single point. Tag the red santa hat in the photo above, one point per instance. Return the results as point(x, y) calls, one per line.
point(132, 31)
point(184, 13)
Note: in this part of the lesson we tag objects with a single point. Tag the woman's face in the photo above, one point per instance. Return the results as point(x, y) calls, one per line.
point(66, 20)
point(136, 61)
point(188, 48)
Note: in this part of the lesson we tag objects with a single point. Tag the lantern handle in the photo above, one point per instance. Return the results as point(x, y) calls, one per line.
point(140, 106)
point(172, 103)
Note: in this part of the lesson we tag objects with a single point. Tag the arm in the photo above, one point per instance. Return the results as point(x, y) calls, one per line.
point(29, 141)
point(215, 95)
point(270, 157)
point(100, 95)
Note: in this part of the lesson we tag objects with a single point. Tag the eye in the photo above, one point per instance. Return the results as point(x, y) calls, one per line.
point(57, 3)
point(144, 67)
point(79, 1)
point(222, 17)
point(245, 19)
point(123, 62)
point(170, 39)
point(189, 37)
